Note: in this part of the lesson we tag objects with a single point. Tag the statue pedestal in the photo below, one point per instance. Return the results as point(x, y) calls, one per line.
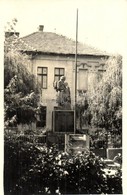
point(63, 121)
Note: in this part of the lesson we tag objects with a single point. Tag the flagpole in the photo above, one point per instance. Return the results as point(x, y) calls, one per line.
point(76, 64)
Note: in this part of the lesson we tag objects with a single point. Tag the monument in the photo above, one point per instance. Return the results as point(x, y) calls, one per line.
point(63, 116)
point(64, 120)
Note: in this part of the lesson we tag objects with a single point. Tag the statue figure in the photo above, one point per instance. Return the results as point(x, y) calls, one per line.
point(67, 94)
point(63, 94)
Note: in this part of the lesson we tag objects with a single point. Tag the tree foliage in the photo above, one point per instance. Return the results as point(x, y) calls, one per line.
point(102, 107)
point(21, 89)
point(106, 100)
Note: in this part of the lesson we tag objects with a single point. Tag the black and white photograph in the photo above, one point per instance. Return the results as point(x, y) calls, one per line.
point(62, 96)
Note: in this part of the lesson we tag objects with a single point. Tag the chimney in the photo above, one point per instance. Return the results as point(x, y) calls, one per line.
point(41, 28)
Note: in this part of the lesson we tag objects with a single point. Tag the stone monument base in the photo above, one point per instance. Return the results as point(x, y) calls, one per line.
point(63, 121)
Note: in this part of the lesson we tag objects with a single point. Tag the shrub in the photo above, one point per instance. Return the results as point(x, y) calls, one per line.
point(31, 169)
point(18, 156)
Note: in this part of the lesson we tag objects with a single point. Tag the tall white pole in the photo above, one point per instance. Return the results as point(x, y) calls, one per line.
point(76, 49)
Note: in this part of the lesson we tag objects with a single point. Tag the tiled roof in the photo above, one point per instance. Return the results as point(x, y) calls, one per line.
point(48, 42)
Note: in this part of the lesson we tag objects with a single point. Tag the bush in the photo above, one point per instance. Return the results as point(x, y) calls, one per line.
point(30, 169)
point(18, 157)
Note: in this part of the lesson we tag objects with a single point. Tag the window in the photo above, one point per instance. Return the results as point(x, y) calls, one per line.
point(58, 73)
point(42, 76)
point(83, 79)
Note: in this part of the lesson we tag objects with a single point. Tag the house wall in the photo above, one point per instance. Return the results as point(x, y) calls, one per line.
point(68, 63)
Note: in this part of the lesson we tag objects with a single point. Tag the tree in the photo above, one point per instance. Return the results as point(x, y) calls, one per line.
point(106, 100)
point(102, 107)
point(21, 89)
point(83, 115)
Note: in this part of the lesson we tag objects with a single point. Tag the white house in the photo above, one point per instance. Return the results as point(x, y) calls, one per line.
point(53, 55)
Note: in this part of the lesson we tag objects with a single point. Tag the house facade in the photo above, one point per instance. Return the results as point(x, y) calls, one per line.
point(53, 56)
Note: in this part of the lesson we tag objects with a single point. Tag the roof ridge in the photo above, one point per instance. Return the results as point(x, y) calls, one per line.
point(27, 35)
point(50, 33)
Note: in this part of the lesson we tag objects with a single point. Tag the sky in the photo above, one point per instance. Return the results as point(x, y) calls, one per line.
point(101, 23)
